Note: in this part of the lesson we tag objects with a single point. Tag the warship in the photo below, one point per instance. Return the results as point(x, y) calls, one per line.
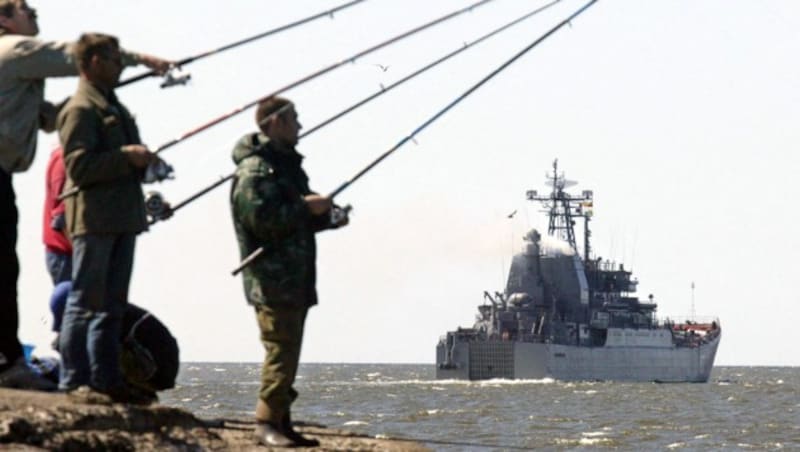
point(571, 317)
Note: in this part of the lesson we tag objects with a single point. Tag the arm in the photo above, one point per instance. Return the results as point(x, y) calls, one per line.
point(85, 165)
point(155, 63)
point(264, 208)
point(333, 218)
point(35, 59)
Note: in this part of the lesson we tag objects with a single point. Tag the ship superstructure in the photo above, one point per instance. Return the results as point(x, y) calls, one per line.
point(567, 315)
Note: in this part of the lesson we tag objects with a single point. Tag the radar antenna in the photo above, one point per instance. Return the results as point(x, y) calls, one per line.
point(562, 208)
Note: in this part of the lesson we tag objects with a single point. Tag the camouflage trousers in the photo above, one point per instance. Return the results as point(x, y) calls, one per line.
point(282, 336)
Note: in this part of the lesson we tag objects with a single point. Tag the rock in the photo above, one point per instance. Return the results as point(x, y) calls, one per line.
point(49, 421)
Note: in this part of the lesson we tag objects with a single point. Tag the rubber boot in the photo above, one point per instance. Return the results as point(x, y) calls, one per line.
point(268, 433)
point(294, 435)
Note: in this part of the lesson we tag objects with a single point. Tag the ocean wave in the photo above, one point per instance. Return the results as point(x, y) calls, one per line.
point(587, 392)
point(593, 434)
point(352, 423)
point(583, 441)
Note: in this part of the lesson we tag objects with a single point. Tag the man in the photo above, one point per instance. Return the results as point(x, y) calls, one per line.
point(274, 208)
point(24, 64)
point(105, 158)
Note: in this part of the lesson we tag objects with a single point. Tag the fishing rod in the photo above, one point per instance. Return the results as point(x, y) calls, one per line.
point(174, 77)
point(301, 81)
point(160, 210)
point(431, 65)
point(318, 73)
point(255, 254)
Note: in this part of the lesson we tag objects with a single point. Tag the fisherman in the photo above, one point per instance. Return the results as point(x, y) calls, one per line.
point(105, 158)
point(274, 208)
point(149, 357)
point(24, 64)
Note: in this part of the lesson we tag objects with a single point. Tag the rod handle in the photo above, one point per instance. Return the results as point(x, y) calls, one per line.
point(247, 260)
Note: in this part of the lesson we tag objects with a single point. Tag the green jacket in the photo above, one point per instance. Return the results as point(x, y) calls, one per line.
point(269, 211)
point(93, 127)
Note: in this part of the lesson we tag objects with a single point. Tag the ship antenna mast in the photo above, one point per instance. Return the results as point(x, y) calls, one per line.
point(562, 209)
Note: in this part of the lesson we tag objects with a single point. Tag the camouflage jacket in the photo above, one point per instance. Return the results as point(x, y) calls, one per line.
point(269, 211)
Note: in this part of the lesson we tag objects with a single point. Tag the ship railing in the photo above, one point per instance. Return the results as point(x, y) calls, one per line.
point(693, 331)
point(691, 322)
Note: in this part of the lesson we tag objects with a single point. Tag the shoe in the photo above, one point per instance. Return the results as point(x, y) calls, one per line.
point(268, 435)
point(20, 376)
point(294, 435)
point(89, 396)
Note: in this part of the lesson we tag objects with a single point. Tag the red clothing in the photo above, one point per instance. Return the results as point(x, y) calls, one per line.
point(55, 241)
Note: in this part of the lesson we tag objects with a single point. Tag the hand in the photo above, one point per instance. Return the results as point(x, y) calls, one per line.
point(317, 204)
point(47, 116)
point(155, 63)
point(48, 113)
point(138, 155)
point(59, 222)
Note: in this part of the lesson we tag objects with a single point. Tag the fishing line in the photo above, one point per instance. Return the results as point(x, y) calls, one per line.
point(303, 80)
point(255, 254)
point(382, 91)
point(173, 80)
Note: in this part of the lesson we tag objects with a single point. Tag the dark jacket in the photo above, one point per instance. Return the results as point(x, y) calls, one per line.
point(269, 211)
point(93, 127)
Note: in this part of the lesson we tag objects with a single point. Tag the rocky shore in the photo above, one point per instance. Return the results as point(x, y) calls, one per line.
point(47, 421)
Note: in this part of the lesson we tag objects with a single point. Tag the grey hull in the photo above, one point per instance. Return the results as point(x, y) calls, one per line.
point(480, 360)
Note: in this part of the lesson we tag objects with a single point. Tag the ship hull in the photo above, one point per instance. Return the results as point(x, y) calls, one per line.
point(480, 360)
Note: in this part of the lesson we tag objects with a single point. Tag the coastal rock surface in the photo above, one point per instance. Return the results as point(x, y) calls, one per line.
point(48, 421)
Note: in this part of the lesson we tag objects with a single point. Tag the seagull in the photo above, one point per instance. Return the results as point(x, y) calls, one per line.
point(382, 67)
point(511, 215)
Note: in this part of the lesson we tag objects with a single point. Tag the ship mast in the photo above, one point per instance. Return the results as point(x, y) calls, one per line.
point(563, 208)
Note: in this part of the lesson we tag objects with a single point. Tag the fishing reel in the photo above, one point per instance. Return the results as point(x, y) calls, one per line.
point(339, 215)
point(157, 171)
point(175, 76)
point(156, 207)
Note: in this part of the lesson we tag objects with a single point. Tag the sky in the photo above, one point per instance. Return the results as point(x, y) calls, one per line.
point(680, 115)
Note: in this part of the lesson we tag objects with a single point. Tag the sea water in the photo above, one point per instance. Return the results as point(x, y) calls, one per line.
point(740, 408)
